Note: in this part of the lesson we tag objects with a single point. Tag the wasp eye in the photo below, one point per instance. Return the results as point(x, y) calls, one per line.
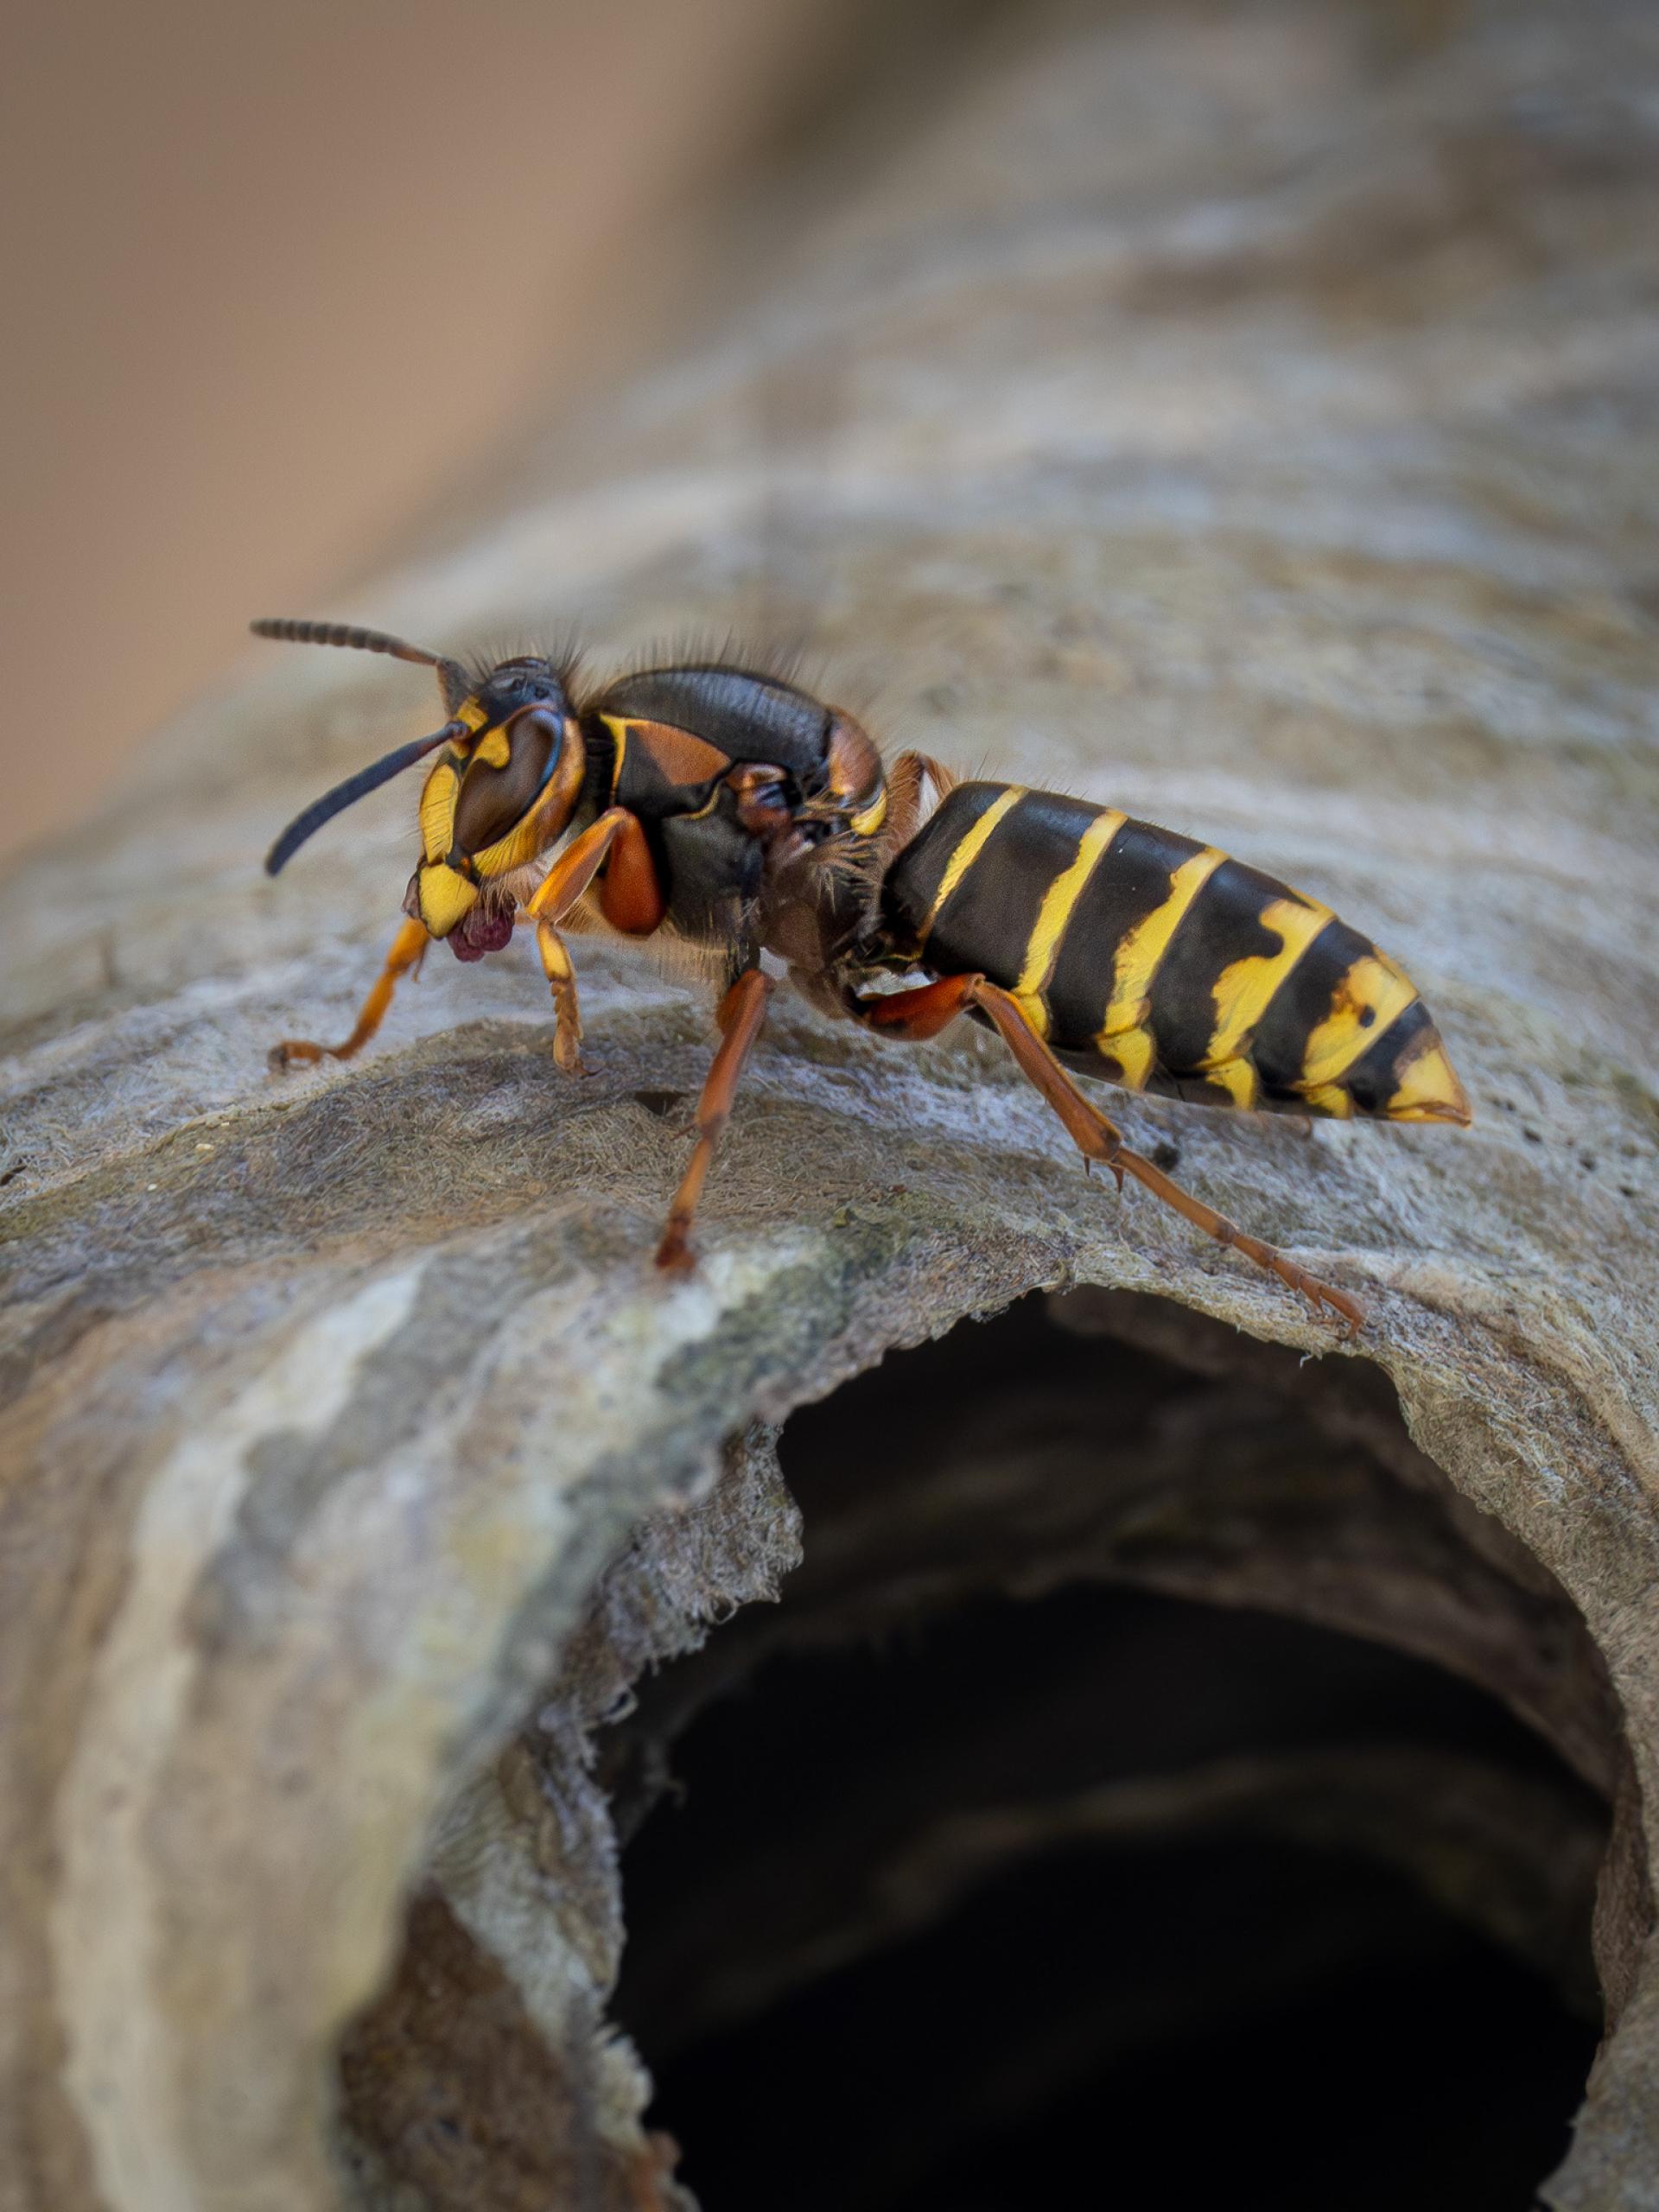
point(537, 715)
point(493, 798)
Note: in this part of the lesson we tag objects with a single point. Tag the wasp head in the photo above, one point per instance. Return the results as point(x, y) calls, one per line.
point(502, 790)
point(510, 773)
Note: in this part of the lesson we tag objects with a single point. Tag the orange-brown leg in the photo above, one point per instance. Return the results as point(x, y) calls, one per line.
point(920, 1013)
point(558, 892)
point(1094, 1136)
point(567, 1011)
point(742, 1011)
point(407, 948)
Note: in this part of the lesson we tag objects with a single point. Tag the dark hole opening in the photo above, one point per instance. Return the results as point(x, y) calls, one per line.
point(978, 1868)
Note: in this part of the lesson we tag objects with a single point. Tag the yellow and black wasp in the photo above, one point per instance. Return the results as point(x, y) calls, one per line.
point(727, 807)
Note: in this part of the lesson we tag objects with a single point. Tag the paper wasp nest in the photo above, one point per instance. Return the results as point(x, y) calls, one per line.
point(1247, 418)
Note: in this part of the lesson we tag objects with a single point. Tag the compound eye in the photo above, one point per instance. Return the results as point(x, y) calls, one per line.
point(540, 724)
point(495, 798)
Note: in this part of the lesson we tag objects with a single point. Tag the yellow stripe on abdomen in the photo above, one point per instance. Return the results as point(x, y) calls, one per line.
point(968, 849)
point(1245, 990)
point(1059, 901)
point(1371, 996)
point(1426, 1088)
point(1123, 1035)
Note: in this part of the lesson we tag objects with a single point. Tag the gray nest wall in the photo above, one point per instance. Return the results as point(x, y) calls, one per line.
point(1248, 418)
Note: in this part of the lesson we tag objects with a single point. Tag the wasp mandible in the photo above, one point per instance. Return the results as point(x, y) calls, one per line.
point(723, 805)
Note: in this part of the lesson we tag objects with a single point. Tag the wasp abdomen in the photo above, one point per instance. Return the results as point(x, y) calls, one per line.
point(1160, 963)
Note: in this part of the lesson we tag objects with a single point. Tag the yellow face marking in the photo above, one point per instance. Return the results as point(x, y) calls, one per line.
point(438, 798)
point(1141, 953)
point(531, 836)
point(1374, 993)
point(445, 898)
point(470, 713)
point(968, 849)
point(517, 849)
point(1245, 990)
point(1429, 1089)
point(495, 750)
point(866, 824)
point(1042, 948)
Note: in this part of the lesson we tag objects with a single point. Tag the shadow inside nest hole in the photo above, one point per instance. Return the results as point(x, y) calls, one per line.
point(1130, 1785)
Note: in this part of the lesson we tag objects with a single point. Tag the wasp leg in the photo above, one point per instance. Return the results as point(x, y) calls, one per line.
point(919, 1013)
point(742, 1012)
point(567, 1012)
point(1095, 1136)
point(407, 949)
point(936, 1004)
point(634, 903)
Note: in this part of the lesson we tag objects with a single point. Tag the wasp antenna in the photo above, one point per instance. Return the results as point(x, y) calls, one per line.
point(452, 674)
point(347, 794)
point(344, 633)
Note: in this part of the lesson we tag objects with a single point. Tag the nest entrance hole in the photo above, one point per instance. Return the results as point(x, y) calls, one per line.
point(1154, 1771)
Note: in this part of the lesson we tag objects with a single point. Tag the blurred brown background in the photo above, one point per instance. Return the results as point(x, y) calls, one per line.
point(274, 277)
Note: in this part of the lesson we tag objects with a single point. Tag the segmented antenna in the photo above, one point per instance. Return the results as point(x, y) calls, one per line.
point(451, 674)
point(366, 779)
point(344, 633)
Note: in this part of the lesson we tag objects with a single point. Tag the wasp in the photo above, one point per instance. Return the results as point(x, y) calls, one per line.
point(723, 806)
